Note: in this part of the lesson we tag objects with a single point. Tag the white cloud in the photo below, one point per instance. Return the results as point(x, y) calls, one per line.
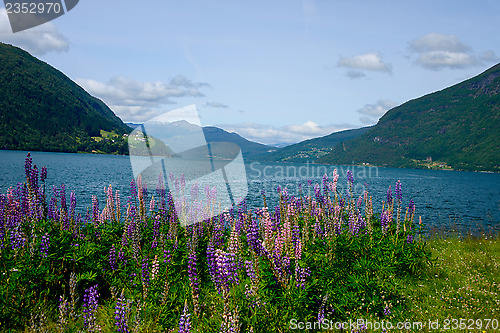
point(285, 134)
point(368, 61)
point(437, 51)
point(355, 74)
point(371, 113)
point(438, 42)
point(216, 105)
point(134, 100)
point(38, 40)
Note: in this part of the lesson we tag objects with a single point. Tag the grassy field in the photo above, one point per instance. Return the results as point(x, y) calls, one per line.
point(462, 282)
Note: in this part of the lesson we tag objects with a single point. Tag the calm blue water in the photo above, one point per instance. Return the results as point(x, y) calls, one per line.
point(444, 199)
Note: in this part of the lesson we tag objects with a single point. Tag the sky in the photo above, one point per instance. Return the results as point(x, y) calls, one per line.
point(274, 72)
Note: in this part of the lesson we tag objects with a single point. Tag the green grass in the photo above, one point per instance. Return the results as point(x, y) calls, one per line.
point(462, 282)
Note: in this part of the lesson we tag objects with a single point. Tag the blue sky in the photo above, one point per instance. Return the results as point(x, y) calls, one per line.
point(272, 71)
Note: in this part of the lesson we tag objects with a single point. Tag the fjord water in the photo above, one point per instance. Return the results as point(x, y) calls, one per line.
point(447, 200)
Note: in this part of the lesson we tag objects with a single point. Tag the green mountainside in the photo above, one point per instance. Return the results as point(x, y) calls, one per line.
point(42, 109)
point(457, 127)
point(310, 150)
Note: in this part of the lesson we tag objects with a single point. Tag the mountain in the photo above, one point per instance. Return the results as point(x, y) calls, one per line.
point(42, 109)
point(457, 127)
point(250, 150)
point(310, 150)
point(182, 130)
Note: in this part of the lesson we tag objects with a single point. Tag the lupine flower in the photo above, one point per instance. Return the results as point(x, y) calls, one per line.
point(27, 165)
point(185, 321)
point(122, 312)
point(44, 246)
point(409, 239)
point(411, 207)
point(112, 258)
point(399, 194)
point(95, 210)
point(321, 312)
point(301, 274)
point(63, 307)
point(90, 305)
point(384, 222)
point(389, 195)
point(43, 174)
point(155, 268)
point(73, 295)
point(145, 272)
point(72, 204)
point(387, 311)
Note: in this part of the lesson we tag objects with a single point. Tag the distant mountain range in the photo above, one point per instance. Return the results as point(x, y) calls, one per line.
point(42, 109)
point(311, 150)
point(457, 127)
point(250, 150)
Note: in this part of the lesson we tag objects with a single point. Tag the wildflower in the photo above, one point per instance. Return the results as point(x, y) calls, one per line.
point(389, 196)
point(44, 246)
point(387, 311)
point(122, 311)
point(112, 257)
point(155, 268)
point(185, 321)
point(90, 305)
point(43, 174)
point(409, 239)
point(399, 194)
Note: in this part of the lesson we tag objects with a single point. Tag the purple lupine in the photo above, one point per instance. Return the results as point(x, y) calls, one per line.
point(133, 189)
point(52, 213)
point(72, 204)
point(112, 258)
point(409, 239)
point(325, 184)
point(301, 274)
point(384, 222)
point(43, 174)
point(95, 210)
point(192, 272)
point(193, 280)
point(353, 224)
point(317, 193)
point(389, 195)
point(90, 305)
point(34, 178)
point(44, 245)
point(122, 311)
point(27, 166)
point(321, 312)
point(226, 273)
point(399, 193)
point(62, 195)
point(185, 321)
point(145, 272)
point(387, 311)
point(411, 207)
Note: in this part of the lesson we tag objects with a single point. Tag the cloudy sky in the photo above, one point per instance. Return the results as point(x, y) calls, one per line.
point(272, 71)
